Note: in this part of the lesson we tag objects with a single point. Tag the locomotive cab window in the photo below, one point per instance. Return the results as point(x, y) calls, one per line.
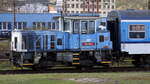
point(91, 27)
point(66, 26)
point(137, 31)
point(84, 27)
point(24, 42)
point(16, 42)
point(76, 27)
point(101, 38)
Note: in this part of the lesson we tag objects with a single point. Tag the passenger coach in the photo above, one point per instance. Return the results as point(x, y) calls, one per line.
point(130, 34)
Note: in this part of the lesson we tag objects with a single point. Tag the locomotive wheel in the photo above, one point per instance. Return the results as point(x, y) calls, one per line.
point(138, 61)
point(141, 61)
point(146, 61)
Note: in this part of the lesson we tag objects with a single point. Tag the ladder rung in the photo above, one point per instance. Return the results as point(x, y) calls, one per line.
point(75, 63)
point(76, 53)
point(106, 62)
point(76, 58)
point(27, 64)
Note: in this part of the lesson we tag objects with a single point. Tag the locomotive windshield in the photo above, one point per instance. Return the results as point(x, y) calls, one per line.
point(87, 27)
point(84, 27)
point(76, 26)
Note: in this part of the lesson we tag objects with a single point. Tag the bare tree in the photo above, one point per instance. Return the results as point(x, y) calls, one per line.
point(148, 4)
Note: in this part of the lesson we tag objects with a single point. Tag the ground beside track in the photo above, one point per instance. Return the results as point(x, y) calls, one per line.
point(78, 78)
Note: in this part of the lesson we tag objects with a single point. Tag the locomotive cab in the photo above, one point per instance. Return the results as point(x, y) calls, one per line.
point(88, 44)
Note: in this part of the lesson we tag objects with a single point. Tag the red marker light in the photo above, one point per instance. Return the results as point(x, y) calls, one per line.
point(88, 44)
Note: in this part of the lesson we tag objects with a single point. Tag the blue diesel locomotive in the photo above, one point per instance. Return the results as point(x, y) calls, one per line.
point(78, 41)
point(82, 40)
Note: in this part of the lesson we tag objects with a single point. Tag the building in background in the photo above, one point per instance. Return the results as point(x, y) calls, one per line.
point(89, 6)
point(24, 6)
point(32, 8)
point(59, 5)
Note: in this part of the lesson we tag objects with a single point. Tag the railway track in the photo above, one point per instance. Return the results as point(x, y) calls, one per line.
point(83, 70)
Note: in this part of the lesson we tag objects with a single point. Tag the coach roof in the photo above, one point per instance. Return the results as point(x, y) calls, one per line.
point(129, 15)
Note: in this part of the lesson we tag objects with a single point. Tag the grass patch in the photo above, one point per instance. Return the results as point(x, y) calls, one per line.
point(61, 78)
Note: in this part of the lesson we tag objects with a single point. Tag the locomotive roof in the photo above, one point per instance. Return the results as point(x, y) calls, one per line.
point(129, 15)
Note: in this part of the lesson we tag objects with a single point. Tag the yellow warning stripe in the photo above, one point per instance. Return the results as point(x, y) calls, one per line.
point(129, 60)
point(75, 63)
point(27, 64)
point(106, 62)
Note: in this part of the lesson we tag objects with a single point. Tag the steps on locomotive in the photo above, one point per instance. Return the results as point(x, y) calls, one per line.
point(76, 58)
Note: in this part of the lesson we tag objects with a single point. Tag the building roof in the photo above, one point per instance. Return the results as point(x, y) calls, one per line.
point(129, 15)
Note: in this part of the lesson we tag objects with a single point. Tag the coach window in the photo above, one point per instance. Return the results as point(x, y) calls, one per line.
point(84, 27)
point(38, 25)
point(91, 27)
point(49, 25)
point(137, 31)
point(53, 26)
point(43, 24)
point(46, 42)
point(9, 25)
point(24, 25)
point(19, 25)
point(4, 25)
point(0, 25)
point(38, 42)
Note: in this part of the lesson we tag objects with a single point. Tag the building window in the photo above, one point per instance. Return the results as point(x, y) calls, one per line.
point(68, 5)
point(81, 6)
point(108, 7)
point(104, 12)
point(137, 31)
point(113, 7)
point(77, 5)
point(72, 5)
point(100, 6)
point(39, 25)
point(72, 11)
point(104, 7)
